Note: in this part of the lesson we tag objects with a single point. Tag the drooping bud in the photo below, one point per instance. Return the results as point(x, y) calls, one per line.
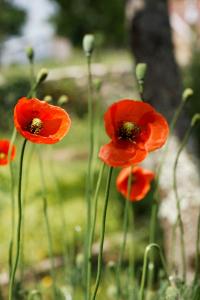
point(88, 44)
point(140, 71)
point(30, 54)
point(111, 264)
point(62, 100)
point(97, 84)
point(79, 260)
point(187, 93)
point(48, 98)
point(195, 119)
point(41, 76)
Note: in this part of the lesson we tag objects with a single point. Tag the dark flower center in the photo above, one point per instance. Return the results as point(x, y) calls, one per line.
point(128, 131)
point(2, 155)
point(35, 126)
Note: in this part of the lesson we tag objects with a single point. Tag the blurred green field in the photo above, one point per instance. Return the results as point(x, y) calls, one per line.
point(65, 167)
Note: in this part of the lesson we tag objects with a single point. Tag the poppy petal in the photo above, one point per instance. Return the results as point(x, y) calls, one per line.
point(55, 120)
point(159, 131)
point(116, 156)
point(122, 111)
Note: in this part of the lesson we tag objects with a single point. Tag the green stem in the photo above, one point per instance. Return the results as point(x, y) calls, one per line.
point(13, 271)
point(46, 219)
point(125, 230)
point(144, 269)
point(100, 256)
point(131, 273)
point(159, 169)
point(89, 171)
point(24, 202)
point(91, 237)
point(154, 210)
point(173, 245)
point(197, 262)
point(12, 201)
point(179, 217)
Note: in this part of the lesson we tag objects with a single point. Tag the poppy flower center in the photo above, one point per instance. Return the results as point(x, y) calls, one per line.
point(128, 131)
point(2, 155)
point(35, 126)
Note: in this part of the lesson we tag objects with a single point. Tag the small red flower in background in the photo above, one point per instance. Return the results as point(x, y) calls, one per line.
point(4, 149)
point(40, 122)
point(135, 128)
point(140, 184)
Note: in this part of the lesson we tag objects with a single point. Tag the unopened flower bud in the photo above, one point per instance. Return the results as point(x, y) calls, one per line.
point(62, 100)
point(140, 71)
point(79, 260)
point(97, 84)
point(111, 264)
point(187, 93)
point(42, 75)
point(48, 98)
point(30, 53)
point(195, 119)
point(88, 44)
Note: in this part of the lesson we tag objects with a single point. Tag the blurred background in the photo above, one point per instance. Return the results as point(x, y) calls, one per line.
point(164, 34)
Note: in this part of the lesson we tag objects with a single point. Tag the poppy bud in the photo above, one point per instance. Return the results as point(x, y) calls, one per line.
point(79, 260)
point(97, 84)
point(88, 44)
point(140, 71)
point(62, 100)
point(187, 93)
point(30, 53)
point(111, 264)
point(48, 98)
point(195, 119)
point(41, 76)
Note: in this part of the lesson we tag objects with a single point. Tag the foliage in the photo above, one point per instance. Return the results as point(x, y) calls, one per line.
point(11, 19)
point(17, 85)
point(75, 18)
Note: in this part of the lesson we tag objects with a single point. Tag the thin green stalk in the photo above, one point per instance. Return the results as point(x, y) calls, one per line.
point(91, 237)
point(125, 230)
point(26, 185)
point(154, 210)
point(179, 217)
point(48, 230)
point(89, 170)
point(131, 272)
point(197, 258)
point(12, 201)
point(144, 269)
point(103, 224)
point(13, 270)
point(173, 245)
point(159, 169)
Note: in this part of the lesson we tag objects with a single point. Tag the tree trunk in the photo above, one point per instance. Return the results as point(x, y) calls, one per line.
point(151, 42)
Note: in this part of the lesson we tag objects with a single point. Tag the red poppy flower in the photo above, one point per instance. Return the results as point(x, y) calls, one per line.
point(140, 185)
point(40, 122)
point(135, 128)
point(4, 149)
